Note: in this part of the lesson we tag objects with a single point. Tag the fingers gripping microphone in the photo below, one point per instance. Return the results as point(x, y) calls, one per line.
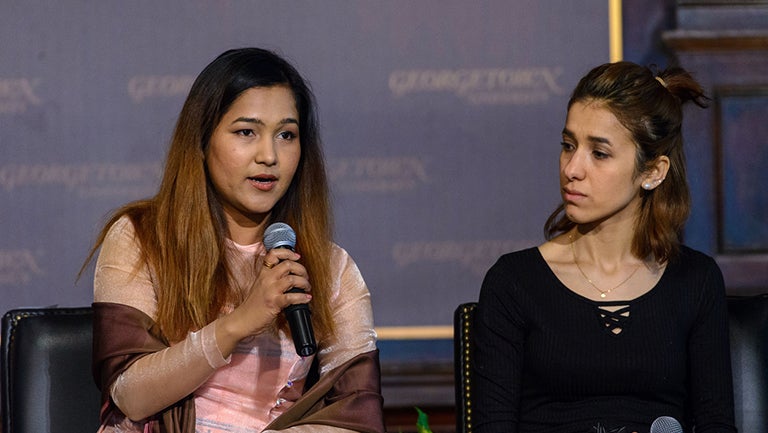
point(666, 424)
point(281, 235)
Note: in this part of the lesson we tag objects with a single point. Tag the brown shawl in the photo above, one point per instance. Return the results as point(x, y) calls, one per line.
point(348, 396)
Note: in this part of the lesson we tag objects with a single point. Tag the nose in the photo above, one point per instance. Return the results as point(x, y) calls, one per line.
point(572, 165)
point(265, 152)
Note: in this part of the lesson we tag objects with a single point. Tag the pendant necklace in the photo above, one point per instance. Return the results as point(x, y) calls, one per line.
point(603, 293)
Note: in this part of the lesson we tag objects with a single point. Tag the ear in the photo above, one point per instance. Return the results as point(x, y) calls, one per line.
point(656, 174)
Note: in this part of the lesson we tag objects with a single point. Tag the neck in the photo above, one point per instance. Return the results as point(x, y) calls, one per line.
point(245, 231)
point(606, 247)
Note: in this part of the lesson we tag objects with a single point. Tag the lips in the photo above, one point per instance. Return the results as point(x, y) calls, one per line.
point(263, 182)
point(572, 195)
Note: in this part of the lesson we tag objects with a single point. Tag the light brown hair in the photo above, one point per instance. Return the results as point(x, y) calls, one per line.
point(650, 106)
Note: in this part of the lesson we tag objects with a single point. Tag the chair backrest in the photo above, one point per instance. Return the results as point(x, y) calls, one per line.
point(462, 357)
point(748, 317)
point(47, 385)
point(748, 322)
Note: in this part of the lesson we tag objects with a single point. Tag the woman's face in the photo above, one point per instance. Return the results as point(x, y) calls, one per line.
point(598, 182)
point(253, 154)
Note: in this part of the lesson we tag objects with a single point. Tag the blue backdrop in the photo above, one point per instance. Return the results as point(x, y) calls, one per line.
point(441, 121)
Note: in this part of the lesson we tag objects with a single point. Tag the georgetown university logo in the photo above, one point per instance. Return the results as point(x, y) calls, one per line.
point(475, 256)
point(143, 87)
point(377, 174)
point(489, 86)
point(91, 180)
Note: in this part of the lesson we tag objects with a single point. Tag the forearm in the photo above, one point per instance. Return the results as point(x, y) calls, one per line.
point(160, 379)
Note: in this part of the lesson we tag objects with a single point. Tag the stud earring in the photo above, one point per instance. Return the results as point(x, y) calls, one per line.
point(647, 186)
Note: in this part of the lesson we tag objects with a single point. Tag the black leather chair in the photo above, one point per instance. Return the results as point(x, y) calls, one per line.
point(462, 361)
point(748, 321)
point(47, 385)
point(748, 318)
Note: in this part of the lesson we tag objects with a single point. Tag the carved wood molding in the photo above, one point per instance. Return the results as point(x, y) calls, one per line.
point(701, 40)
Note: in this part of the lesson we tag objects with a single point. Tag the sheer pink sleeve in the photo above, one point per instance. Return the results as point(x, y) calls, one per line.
point(162, 378)
point(352, 313)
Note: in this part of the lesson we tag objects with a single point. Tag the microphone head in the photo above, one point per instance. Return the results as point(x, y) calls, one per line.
point(279, 235)
point(666, 424)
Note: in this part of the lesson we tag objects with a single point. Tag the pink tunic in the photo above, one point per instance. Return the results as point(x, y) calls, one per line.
point(262, 377)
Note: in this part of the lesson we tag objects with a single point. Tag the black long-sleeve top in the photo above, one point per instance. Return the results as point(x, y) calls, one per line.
point(549, 360)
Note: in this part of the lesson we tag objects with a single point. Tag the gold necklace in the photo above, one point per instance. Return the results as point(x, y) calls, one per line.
point(603, 293)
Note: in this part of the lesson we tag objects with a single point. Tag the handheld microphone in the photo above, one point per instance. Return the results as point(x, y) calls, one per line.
point(281, 235)
point(666, 424)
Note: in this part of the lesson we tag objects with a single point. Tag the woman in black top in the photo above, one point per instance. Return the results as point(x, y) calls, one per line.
point(611, 323)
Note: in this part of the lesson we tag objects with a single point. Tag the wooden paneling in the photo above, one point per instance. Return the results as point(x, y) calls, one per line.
point(725, 45)
point(426, 385)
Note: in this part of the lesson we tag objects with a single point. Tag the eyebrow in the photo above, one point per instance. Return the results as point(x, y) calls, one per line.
point(258, 121)
point(590, 138)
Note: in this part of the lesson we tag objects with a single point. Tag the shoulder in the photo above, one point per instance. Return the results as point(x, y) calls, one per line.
point(341, 261)
point(697, 273)
point(122, 275)
point(121, 247)
point(122, 226)
point(346, 276)
point(516, 261)
point(693, 263)
point(690, 255)
point(512, 271)
point(508, 289)
point(120, 235)
point(338, 253)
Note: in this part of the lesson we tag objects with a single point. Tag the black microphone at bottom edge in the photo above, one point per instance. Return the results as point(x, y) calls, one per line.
point(666, 424)
point(281, 235)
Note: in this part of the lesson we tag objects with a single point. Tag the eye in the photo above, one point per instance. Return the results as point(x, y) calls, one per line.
point(245, 132)
point(600, 154)
point(567, 147)
point(286, 135)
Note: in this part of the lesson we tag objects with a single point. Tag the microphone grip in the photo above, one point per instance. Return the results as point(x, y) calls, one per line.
point(300, 322)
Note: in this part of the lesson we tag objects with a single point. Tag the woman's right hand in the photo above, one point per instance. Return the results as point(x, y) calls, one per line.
point(277, 272)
